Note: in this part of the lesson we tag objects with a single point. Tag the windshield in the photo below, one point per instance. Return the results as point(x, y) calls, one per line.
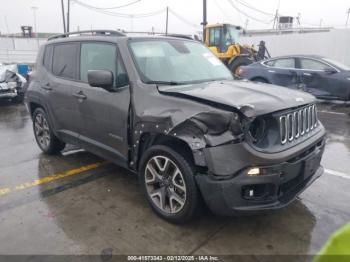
point(177, 61)
point(231, 36)
point(337, 64)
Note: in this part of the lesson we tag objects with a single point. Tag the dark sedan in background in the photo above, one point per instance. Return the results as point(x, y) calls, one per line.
point(320, 76)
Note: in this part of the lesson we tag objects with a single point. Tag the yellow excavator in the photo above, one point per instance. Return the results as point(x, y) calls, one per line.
point(223, 41)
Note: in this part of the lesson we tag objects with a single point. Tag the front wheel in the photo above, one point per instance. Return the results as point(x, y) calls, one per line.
point(167, 180)
point(45, 138)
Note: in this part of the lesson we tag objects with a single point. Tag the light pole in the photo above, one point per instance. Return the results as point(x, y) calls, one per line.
point(34, 9)
point(347, 19)
point(205, 18)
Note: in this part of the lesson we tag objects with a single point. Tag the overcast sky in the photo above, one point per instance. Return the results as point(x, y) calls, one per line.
point(15, 13)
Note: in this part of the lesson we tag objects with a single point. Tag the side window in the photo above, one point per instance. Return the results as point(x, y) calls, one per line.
point(97, 56)
point(102, 56)
point(310, 64)
point(65, 60)
point(47, 61)
point(214, 36)
point(270, 63)
point(284, 63)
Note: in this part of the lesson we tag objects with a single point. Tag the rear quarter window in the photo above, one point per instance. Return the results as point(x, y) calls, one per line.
point(47, 61)
point(65, 60)
point(282, 63)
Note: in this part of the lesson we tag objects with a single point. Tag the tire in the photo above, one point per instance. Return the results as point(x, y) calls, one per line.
point(238, 62)
point(260, 80)
point(175, 187)
point(45, 138)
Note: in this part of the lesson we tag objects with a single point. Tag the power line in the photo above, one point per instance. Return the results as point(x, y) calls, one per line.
point(119, 14)
point(183, 19)
point(114, 7)
point(247, 15)
point(222, 10)
point(254, 8)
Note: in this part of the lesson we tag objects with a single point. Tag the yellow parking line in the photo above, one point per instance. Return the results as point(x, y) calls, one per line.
point(50, 178)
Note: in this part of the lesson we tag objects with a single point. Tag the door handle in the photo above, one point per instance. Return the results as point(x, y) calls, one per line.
point(80, 95)
point(271, 71)
point(306, 74)
point(46, 87)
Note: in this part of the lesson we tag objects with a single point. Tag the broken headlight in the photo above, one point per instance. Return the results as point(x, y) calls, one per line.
point(257, 130)
point(217, 123)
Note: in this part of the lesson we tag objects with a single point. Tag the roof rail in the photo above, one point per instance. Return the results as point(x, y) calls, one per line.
point(89, 32)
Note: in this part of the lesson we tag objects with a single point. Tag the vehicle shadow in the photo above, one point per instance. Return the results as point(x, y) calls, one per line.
point(109, 212)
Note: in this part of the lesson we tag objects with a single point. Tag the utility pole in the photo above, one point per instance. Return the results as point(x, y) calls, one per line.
point(63, 17)
point(7, 26)
point(299, 19)
point(205, 22)
point(347, 19)
point(246, 24)
point(68, 15)
point(321, 22)
point(132, 23)
point(275, 21)
point(167, 20)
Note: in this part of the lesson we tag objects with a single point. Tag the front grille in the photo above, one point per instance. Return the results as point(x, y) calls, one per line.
point(296, 124)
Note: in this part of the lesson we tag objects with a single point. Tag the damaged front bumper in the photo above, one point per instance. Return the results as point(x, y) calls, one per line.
point(228, 190)
point(6, 94)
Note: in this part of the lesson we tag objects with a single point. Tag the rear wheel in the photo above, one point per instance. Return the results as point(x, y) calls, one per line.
point(45, 138)
point(239, 61)
point(167, 180)
point(260, 80)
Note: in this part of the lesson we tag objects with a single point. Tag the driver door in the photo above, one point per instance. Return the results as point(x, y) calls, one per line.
point(104, 113)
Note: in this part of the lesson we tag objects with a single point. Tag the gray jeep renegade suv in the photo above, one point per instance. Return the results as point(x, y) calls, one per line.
point(167, 109)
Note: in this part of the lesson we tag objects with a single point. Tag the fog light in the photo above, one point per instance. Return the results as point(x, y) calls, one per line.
point(254, 171)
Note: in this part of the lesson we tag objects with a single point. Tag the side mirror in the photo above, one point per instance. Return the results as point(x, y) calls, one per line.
point(101, 78)
point(330, 71)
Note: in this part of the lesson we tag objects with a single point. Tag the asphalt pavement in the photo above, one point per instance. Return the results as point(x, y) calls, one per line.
point(76, 203)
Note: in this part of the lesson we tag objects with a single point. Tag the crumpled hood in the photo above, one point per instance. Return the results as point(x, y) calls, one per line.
point(252, 99)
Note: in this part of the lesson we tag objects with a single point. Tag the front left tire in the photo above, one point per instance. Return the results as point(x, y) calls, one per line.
point(167, 180)
point(44, 136)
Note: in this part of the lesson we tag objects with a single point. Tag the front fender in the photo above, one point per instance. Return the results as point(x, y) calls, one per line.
point(207, 129)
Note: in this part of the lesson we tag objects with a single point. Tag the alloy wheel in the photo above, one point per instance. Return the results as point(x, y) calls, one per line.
point(42, 131)
point(165, 184)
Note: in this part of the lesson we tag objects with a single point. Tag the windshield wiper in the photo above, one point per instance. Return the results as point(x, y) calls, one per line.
point(170, 83)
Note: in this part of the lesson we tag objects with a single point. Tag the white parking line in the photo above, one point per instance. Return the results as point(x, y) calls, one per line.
point(337, 173)
point(71, 152)
point(332, 112)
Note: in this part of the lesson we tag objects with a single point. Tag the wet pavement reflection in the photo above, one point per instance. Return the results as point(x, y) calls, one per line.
point(103, 208)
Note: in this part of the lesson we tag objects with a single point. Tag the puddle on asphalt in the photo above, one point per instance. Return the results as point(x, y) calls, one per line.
point(337, 154)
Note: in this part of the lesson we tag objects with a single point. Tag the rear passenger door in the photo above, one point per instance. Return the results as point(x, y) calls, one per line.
point(282, 72)
point(59, 86)
point(315, 79)
point(104, 113)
